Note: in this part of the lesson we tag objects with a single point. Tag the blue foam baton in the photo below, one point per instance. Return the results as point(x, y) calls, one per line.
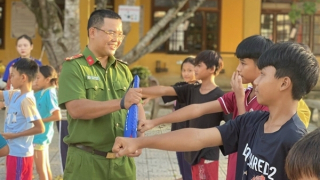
point(130, 129)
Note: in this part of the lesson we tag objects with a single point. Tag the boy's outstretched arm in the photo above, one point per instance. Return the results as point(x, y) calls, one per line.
point(38, 128)
point(157, 91)
point(186, 113)
point(189, 139)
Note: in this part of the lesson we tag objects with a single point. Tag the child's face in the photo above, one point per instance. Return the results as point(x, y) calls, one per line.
point(267, 86)
point(202, 72)
point(41, 82)
point(16, 78)
point(187, 72)
point(248, 70)
point(24, 47)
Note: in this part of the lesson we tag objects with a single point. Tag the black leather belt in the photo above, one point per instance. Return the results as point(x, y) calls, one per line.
point(108, 155)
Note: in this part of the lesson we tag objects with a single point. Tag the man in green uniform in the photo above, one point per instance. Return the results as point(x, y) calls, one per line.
point(92, 88)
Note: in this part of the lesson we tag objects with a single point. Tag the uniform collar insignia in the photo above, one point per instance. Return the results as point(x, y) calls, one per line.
point(90, 60)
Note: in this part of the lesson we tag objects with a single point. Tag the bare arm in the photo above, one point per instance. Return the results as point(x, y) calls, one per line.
point(88, 109)
point(186, 113)
point(38, 128)
point(1, 95)
point(172, 141)
point(56, 116)
point(4, 151)
point(157, 91)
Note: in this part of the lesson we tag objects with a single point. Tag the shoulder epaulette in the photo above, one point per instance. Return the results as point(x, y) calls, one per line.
point(123, 62)
point(74, 57)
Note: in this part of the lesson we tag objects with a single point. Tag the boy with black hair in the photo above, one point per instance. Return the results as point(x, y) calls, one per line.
point(300, 166)
point(261, 138)
point(236, 102)
point(208, 63)
point(22, 121)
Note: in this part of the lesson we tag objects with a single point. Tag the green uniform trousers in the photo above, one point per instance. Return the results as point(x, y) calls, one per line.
point(82, 165)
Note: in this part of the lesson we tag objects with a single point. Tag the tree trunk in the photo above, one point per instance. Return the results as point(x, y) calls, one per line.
point(145, 46)
point(59, 43)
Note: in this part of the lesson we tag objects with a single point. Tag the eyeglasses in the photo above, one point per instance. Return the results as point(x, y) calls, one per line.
point(112, 34)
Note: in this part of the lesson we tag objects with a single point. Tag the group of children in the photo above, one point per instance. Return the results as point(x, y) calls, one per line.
point(280, 75)
point(267, 139)
point(31, 109)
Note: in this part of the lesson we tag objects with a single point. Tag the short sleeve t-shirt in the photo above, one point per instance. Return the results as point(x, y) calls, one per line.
point(228, 103)
point(260, 155)
point(22, 111)
point(3, 142)
point(47, 103)
point(190, 94)
point(178, 105)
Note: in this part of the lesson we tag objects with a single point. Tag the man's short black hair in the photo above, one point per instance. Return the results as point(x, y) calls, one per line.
point(28, 67)
point(211, 59)
point(97, 17)
point(294, 61)
point(252, 47)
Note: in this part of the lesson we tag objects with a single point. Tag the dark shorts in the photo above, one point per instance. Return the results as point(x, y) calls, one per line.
point(184, 166)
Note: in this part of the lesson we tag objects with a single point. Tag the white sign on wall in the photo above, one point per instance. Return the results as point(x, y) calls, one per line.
point(129, 13)
point(23, 20)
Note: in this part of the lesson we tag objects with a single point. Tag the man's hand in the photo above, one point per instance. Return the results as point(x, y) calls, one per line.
point(8, 135)
point(236, 85)
point(133, 96)
point(125, 146)
point(145, 125)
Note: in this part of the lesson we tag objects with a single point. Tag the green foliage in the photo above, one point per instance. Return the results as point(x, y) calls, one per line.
point(143, 73)
point(295, 13)
point(308, 7)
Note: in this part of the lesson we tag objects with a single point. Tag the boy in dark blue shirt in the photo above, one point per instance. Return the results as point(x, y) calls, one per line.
point(262, 139)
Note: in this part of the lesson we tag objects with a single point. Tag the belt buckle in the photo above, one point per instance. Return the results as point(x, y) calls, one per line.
point(110, 155)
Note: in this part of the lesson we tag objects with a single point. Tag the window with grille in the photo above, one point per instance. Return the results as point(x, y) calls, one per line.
point(276, 25)
point(199, 32)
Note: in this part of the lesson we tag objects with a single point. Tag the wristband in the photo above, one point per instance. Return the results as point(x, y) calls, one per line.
point(122, 103)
